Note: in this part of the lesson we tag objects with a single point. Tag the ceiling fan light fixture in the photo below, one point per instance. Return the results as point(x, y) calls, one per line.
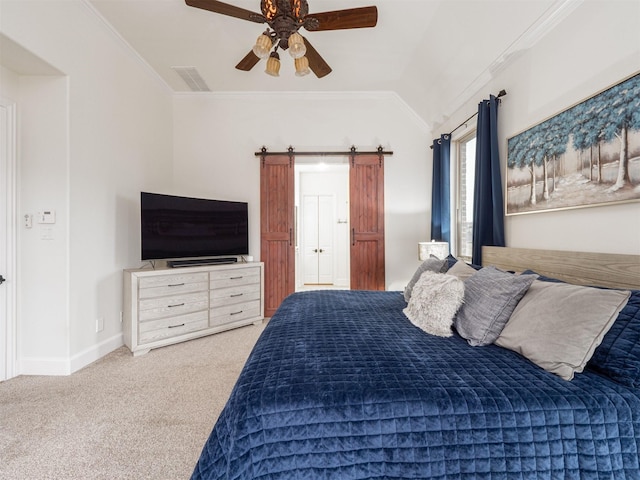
point(284, 18)
point(297, 47)
point(273, 65)
point(302, 66)
point(263, 46)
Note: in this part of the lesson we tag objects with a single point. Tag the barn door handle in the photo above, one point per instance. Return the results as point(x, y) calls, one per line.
point(353, 236)
point(290, 236)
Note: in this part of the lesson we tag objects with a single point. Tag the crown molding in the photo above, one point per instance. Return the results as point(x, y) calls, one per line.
point(560, 10)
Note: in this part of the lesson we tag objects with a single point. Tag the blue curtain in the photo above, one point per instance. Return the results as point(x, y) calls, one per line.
point(488, 207)
point(440, 195)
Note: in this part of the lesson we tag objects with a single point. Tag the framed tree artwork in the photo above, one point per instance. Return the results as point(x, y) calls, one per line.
point(586, 155)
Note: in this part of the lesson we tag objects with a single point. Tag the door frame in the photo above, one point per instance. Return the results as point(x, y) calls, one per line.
point(8, 162)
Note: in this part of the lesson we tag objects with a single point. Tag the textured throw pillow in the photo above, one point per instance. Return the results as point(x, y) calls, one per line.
point(432, 264)
point(558, 325)
point(461, 270)
point(618, 356)
point(490, 296)
point(434, 302)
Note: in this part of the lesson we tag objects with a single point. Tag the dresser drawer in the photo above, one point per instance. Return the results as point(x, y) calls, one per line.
point(152, 308)
point(173, 289)
point(233, 313)
point(172, 279)
point(152, 331)
point(233, 295)
point(229, 278)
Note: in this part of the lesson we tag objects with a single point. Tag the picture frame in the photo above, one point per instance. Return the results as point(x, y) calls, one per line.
point(587, 155)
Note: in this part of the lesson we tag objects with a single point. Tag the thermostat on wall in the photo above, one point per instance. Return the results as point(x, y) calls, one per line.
point(47, 216)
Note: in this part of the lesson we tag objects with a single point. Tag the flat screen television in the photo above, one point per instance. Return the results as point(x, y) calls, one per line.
point(174, 227)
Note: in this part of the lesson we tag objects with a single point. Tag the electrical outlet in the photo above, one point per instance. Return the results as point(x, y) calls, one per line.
point(100, 324)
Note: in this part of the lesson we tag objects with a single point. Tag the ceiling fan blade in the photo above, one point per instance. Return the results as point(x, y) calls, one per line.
point(362, 17)
point(248, 62)
point(316, 62)
point(226, 9)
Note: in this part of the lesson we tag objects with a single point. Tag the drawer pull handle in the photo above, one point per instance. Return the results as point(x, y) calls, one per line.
point(237, 295)
point(235, 313)
point(176, 305)
point(176, 285)
point(236, 278)
point(176, 326)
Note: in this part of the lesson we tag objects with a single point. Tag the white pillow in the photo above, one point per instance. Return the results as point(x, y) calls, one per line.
point(434, 302)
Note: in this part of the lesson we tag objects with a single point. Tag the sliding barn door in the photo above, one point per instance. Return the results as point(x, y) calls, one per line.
point(277, 248)
point(366, 185)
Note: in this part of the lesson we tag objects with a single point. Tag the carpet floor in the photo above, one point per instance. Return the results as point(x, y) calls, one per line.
point(122, 417)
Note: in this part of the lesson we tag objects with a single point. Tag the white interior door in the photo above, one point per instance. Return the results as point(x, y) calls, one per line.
point(317, 239)
point(309, 239)
point(7, 259)
point(326, 238)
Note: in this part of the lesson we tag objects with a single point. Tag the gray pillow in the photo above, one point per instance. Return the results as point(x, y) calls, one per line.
point(432, 264)
point(435, 300)
point(558, 325)
point(490, 296)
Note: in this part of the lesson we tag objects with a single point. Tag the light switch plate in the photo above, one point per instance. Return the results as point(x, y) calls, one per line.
point(47, 216)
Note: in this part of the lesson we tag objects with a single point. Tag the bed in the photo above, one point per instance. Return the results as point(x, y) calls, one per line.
point(342, 385)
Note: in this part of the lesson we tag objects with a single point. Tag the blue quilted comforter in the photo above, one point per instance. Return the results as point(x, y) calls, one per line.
point(342, 386)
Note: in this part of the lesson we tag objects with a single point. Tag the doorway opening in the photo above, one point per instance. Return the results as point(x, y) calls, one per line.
point(322, 224)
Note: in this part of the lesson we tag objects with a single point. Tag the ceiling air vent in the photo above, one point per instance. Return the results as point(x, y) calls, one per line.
point(192, 78)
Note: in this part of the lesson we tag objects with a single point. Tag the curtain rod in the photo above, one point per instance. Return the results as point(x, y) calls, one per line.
point(290, 151)
point(501, 93)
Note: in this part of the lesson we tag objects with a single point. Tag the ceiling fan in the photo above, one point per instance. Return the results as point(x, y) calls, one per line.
point(284, 18)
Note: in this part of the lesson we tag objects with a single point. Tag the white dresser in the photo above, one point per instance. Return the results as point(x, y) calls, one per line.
point(171, 305)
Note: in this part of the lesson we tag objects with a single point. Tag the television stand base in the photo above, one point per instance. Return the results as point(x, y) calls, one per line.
point(194, 262)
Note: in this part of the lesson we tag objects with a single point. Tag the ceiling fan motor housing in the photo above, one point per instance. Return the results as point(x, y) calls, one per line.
point(285, 17)
point(297, 9)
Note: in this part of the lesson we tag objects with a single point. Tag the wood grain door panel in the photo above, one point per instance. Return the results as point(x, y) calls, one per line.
point(277, 246)
point(366, 186)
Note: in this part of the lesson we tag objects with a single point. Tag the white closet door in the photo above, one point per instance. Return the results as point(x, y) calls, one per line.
point(326, 250)
point(317, 237)
point(310, 238)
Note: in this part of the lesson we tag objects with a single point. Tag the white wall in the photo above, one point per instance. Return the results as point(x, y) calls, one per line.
point(216, 136)
point(89, 142)
point(594, 48)
point(43, 249)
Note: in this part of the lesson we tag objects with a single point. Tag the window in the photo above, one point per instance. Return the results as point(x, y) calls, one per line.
point(466, 173)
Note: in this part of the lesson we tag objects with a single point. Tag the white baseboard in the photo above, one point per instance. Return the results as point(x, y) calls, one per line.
point(43, 366)
point(66, 366)
point(96, 352)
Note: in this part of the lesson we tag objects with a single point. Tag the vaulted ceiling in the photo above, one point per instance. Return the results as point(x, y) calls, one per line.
point(434, 54)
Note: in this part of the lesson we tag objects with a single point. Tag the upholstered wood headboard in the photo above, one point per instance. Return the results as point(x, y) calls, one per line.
point(581, 268)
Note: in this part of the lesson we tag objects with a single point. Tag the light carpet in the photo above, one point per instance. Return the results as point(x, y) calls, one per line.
point(122, 417)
